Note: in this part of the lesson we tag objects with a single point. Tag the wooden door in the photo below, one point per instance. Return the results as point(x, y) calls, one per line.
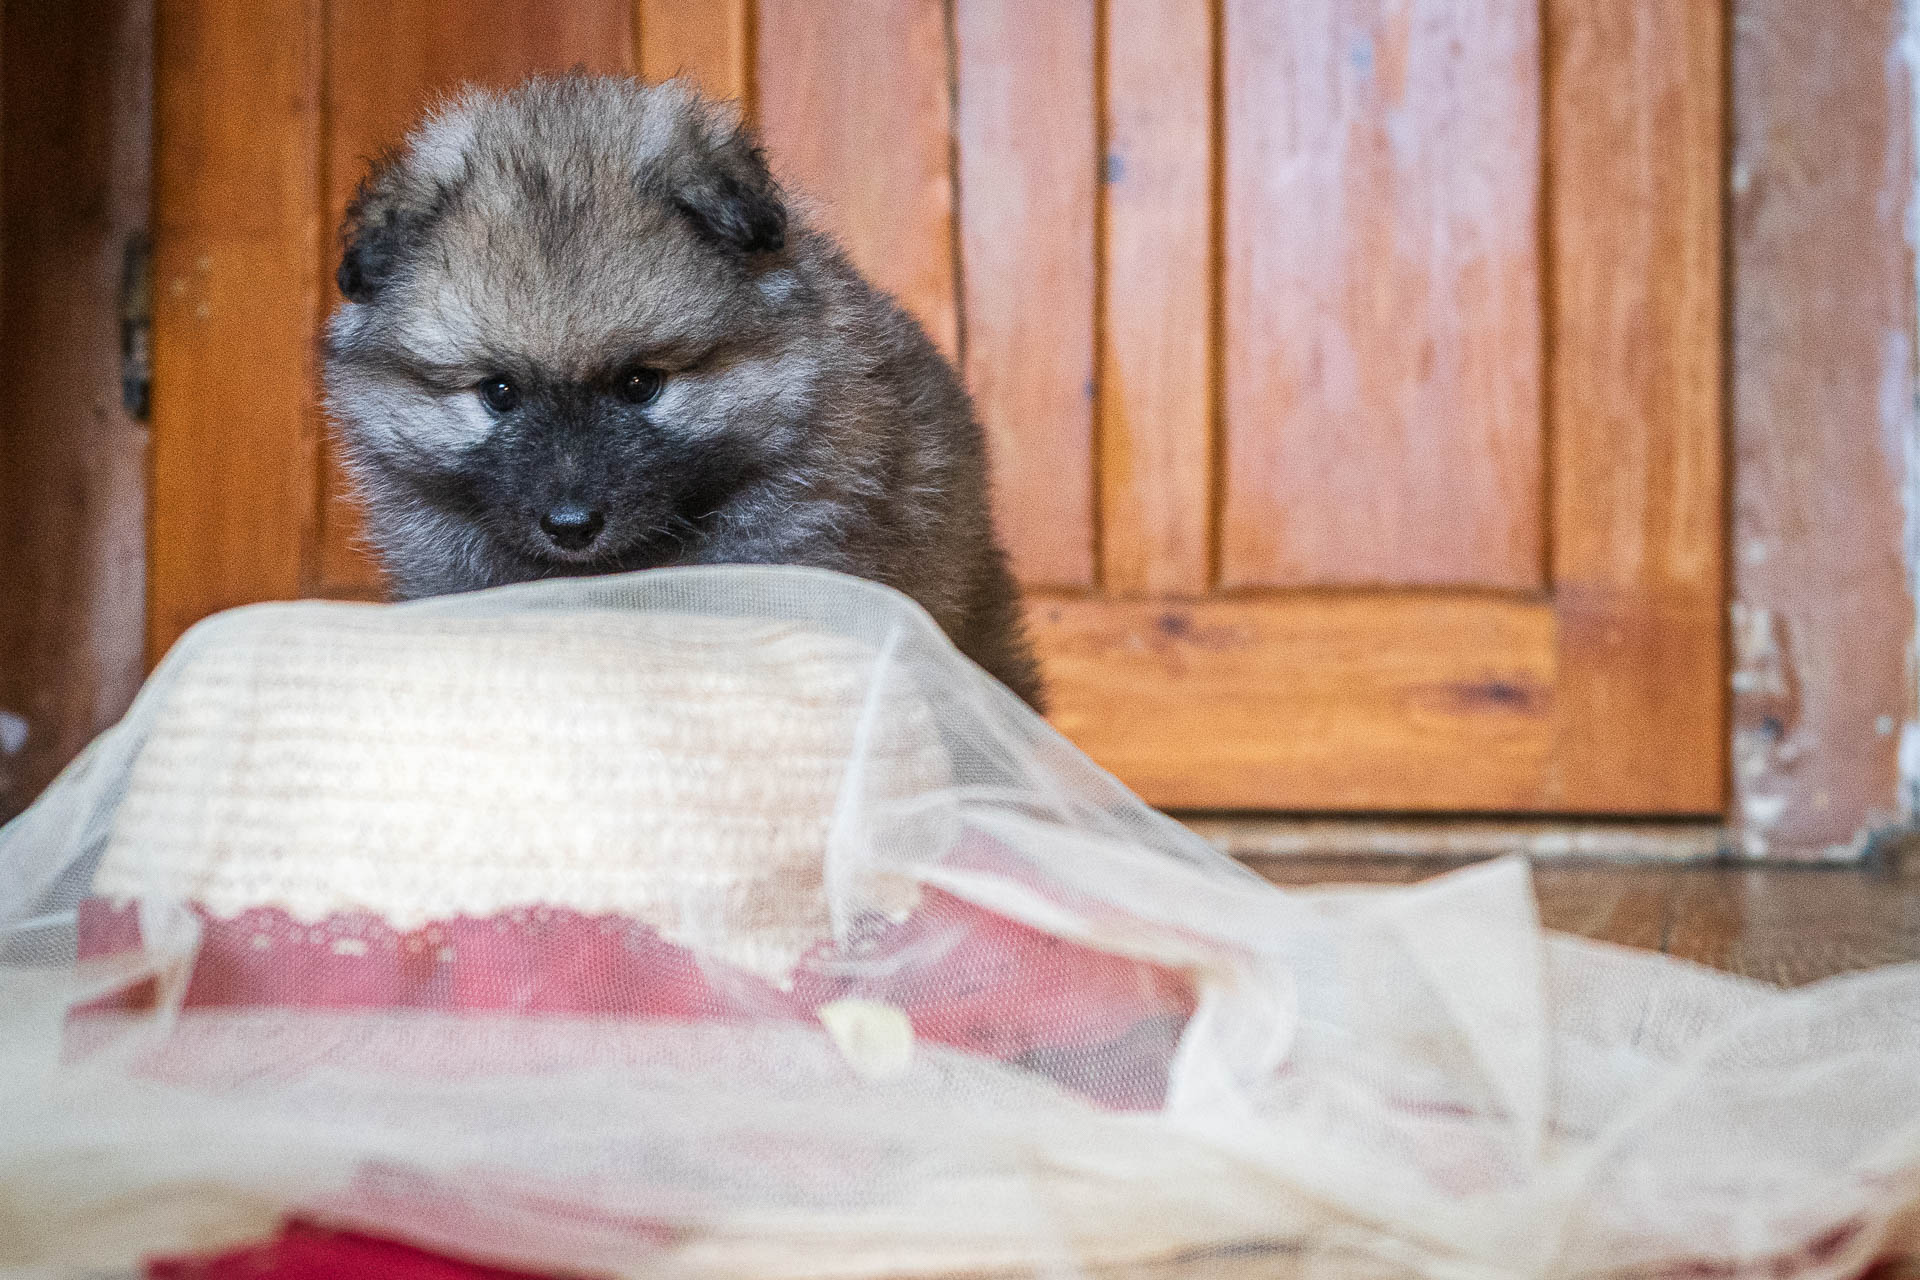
point(1352, 367)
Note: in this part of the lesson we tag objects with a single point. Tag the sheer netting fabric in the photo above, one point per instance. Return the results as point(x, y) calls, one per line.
point(729, 923)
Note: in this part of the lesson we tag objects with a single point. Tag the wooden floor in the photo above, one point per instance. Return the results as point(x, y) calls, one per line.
point(1785, 924)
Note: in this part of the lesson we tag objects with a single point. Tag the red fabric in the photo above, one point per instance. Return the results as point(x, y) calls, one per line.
point(303, 1251)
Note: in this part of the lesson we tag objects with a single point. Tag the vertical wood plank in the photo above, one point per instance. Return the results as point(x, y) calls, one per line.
point(1156, 379)
point(387, 61)
point(706, 40)
point(236, 221)
point(854, 104)
point(1382, 311)
point(76, 157)
point(1027, 154)
point(1823, 421)
point(1635, 112)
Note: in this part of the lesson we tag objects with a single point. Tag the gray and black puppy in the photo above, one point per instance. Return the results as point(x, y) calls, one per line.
point(584, 333)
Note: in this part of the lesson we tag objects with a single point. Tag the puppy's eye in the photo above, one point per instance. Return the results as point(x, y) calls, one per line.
point(641, 386)
point(500, 395)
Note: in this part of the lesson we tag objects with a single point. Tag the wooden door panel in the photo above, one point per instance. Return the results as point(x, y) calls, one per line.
point(1635, 403)
point(853, 102)
point(1627, 715)
point(706, 41)
point(1159, 278)
point(1027, 207)
point(1383, 365)
point(1311, 702)
point(1391, 701)
point(236, 226)
point(1352, 370)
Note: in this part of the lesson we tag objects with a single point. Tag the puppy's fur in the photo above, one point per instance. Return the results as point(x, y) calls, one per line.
point(590, 243)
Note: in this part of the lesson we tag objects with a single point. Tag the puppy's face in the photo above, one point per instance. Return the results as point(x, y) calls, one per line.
point(566, 335)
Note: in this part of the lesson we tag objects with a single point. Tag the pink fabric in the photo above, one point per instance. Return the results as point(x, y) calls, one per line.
point(1062, 1010)
point(1025, 996)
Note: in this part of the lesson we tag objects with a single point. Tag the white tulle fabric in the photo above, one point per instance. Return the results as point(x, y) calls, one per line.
point(768, 769)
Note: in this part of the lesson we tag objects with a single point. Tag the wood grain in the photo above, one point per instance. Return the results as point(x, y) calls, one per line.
point(1606, 695)
point(1781, 924)
point(236, 225)
point(1405, 702)
point(76, 150)
point(386, 63)
point(1635, 110)
point(1156, 353)
point(1823, 413)
point(1491, 687)
point(709, 41)
point(854, 104)
point(1792, 925)
point(1382, 313)
point(1026, 245)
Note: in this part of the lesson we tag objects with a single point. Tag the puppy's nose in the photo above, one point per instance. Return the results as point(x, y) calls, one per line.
point(572, 526)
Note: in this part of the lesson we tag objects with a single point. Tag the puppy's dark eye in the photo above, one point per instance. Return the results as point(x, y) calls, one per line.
point(641, 386)
point(500, 395)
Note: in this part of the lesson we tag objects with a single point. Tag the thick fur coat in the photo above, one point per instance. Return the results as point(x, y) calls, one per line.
point(584, 332)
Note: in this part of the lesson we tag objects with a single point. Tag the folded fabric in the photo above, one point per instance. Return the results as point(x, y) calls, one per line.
point(730, 923)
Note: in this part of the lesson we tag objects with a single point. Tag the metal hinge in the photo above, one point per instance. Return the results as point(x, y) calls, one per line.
point(136, 325)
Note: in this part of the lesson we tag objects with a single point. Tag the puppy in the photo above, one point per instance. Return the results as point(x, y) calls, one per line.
point(583, 332)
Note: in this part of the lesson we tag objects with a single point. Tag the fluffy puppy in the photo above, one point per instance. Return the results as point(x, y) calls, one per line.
point(583, 332)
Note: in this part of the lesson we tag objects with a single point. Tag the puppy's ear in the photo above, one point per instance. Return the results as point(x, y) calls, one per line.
point(725, 187)
point(381, 227)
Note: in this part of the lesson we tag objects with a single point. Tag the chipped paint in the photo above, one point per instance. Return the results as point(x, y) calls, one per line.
point(1825, 743)
point(1759, 813)
point(1766, 741)
point(1909, 766)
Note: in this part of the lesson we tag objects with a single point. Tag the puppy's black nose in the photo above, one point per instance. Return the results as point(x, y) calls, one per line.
point(572, 527)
